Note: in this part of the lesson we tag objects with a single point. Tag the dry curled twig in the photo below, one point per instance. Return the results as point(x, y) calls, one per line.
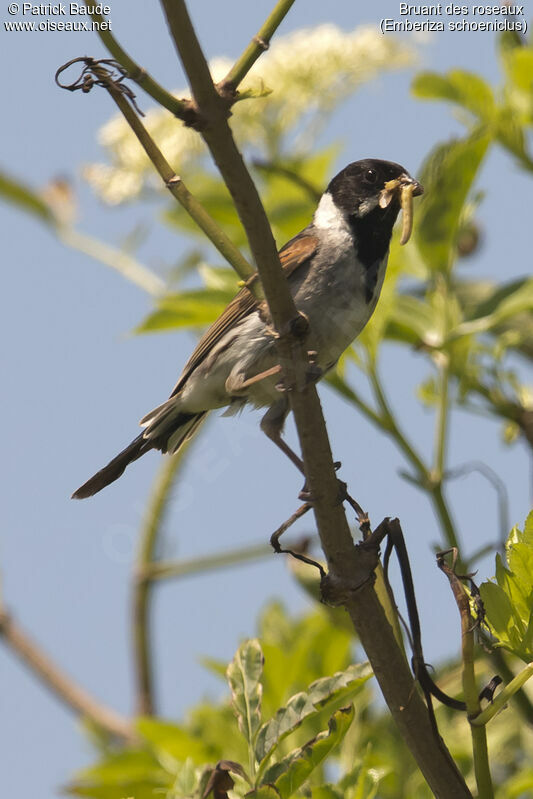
point(98, 72)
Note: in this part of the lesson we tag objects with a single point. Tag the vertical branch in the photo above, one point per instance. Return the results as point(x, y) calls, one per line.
point(142, 582)
point(351, 588)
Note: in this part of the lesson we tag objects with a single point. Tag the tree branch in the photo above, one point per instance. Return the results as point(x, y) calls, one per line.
point(256, 48)
point(142, 588)
point(479, 734)
point(343, 559)
point(175, 184)
point(67, 691)
point(221, 560)
point(118, 260)
point(141, 77)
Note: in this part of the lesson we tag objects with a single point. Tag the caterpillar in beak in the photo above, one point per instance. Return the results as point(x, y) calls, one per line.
point(406, 203)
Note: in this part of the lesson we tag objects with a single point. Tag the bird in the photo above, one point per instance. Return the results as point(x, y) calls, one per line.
point(335, 269)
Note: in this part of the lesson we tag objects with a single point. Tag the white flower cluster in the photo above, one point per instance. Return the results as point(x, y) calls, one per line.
point(308, 73)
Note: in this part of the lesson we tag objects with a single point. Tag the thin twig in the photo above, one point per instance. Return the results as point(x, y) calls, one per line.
point(123, 263)
point(471, 693)
point(256, 48)
point(391, 425)
point(69, 692)
point(142, 593)
point(179, 108)
point(272, 168)
point(441, 426)
point(444, 515)
point(220, 560)
point(499, 702)
point(425, 477)
point(499, 486)
point(521, 700)
point(178, 189)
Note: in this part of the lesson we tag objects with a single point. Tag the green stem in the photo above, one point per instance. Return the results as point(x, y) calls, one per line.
point(221, 560)
point(177, 188)
point(142, 588)
point(257, 46)
point(123, 263)
point(440, 506)
point(389, 424)
point(392, 427)
point(470, 689)
point(341, 387)
point(479, 737)
point(138, 74)
point(521, 700)
point(503, 697)
point(441, 431)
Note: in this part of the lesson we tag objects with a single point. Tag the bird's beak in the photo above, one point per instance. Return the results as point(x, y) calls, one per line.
point(406, 187)
point(407, 180)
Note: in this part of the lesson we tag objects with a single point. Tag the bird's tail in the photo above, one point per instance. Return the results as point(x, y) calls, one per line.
point(165, 431)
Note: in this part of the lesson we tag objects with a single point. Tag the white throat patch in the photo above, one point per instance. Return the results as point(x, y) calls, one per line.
point(329, 217)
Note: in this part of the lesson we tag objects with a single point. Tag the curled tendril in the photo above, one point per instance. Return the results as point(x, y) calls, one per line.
point(98, 72)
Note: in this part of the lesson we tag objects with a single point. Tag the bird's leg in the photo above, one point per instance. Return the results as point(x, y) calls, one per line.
point(272, 425)
point(238, 383)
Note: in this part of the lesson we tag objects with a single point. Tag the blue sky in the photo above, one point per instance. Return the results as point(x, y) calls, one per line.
point(76, 382)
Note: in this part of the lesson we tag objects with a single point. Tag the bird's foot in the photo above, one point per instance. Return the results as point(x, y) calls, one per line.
point(306, 495)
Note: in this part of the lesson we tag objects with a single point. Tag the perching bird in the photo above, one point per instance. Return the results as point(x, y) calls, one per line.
point(335, 269)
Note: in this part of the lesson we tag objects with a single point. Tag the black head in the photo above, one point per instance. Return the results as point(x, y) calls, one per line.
point(357, 191)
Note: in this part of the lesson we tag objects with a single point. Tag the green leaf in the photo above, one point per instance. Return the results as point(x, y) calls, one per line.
point(291, 772)
point(498, 608)
point(413, 321)
point(509, 301)
point(244, 677)
point(264, 792)
point(325, 792)
point(172, 743)
point(130, 773)
point(509, 602)
point(20, 195)
point(215, 666)
point(321, 693)
point(519, 67)
point(185, 782)
point(364, 780)
point(463, 88)
point(187, 309)
point(447, 176)
point(299, 651)
point(511, 135)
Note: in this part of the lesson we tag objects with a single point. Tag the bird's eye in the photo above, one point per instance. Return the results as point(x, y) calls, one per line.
point(370, 176)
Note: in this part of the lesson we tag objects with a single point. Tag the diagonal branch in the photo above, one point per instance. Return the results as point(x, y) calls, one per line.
point(63, 686)
point(174, 183)
point(258, 45)
point(179, 108)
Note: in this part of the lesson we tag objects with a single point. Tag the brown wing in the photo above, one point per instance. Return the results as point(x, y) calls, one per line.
point(295, 253)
